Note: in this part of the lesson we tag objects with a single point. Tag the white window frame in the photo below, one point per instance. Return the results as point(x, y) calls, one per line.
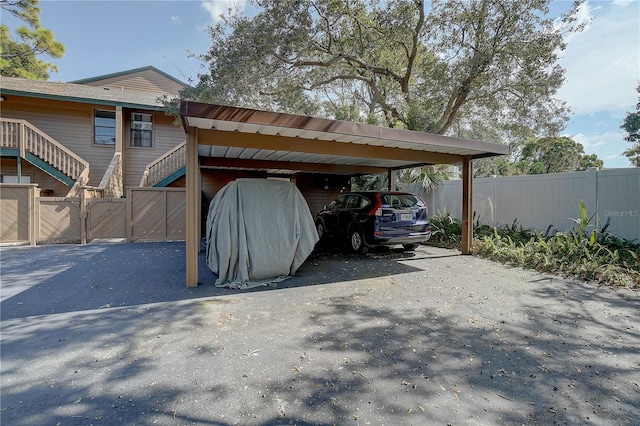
point(133, 130)
point(96, 126)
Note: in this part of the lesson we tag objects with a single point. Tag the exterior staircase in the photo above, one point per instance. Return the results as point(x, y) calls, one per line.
point(21, 139)
point(166, 168)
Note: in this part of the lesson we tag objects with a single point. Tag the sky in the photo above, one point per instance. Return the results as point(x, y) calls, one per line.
point(602, 62)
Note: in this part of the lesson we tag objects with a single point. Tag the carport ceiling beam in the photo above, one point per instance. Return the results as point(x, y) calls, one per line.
point(290, 165)
point(317, 146)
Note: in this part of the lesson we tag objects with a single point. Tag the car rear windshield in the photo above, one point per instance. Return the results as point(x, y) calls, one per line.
point(401, 200)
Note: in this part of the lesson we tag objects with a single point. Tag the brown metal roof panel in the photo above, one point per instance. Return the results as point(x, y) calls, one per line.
point(201, 123)
point(324, 129)
point(234, 152)
point(248, 128)
point(248, 153)
point(261, 154)
point(310, 158)
point(219, 151)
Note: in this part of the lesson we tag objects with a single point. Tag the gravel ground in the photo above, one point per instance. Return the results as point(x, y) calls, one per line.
point(109, 335)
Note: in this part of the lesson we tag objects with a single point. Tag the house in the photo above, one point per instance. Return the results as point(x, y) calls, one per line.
point(110, 132)
point(105, 137)
point(101, 132)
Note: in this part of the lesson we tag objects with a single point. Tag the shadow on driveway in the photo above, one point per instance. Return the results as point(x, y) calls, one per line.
point(68, 278)
point(109, 335)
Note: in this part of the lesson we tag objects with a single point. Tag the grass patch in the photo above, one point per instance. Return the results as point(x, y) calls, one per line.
point(586, 252)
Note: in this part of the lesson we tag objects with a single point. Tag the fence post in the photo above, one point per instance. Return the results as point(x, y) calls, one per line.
point(34, 215)
point(594, 175)
point(129, 213)
point(83, 215)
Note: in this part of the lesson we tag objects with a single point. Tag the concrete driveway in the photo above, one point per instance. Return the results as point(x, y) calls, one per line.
point(109, 335)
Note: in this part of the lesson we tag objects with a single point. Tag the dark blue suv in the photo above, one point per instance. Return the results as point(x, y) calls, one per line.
point(366, 219)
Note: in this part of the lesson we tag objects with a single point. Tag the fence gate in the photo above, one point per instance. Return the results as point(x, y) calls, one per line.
point(157, 213)
point(17, 205)
point(146, 214)
point(59, 220)
point(106, 218)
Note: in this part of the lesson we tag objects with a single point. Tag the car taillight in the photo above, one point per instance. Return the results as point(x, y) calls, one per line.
point(426, 209)
point(377, 207)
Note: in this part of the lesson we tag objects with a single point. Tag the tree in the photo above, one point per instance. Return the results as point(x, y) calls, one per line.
point(497, 166)
point(539, 156)
point(483, 60)
point(554, 155)
point(631, 125)
point(429, 177)
point(19, 58)
point(590, 161)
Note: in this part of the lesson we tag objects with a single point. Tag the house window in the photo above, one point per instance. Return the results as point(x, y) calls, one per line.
point(104, 125)
point(141, 129)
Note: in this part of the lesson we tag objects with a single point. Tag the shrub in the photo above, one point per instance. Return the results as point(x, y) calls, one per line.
point(590, 255)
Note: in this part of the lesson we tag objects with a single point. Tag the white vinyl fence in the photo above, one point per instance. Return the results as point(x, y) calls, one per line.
point(537, 201)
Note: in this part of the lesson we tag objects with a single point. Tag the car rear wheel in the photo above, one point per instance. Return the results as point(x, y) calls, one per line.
point(356, 242)
point(320, 229)
point(409, 247)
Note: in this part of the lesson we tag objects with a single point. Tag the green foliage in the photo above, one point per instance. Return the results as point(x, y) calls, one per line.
point(586, 251)
point(540, 156)
point(429, 177)
point(440, 68)
point(590, 161)
point(446, 231)
point(370, 183)
point(496, 166)
point(550, 155)
point(631, 125)
point(19, 57)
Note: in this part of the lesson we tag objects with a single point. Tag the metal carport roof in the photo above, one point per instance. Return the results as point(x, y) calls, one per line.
point(230, 137)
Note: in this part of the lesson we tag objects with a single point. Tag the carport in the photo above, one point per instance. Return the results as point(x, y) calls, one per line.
point(240, 138)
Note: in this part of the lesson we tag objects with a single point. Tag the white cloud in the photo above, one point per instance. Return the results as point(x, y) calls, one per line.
point(216, 8)
point(622, 2)
point(176, 19)
point(584, 17)
point(602, 62)
point(589, 142)
point(608, 146)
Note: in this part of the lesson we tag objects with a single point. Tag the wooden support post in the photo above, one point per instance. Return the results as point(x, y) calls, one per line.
point(119, 129)
point(467, 205)
point(19, 168)
point(391, 179)
point(22, 141)
point(119, 148)
point(192, 207)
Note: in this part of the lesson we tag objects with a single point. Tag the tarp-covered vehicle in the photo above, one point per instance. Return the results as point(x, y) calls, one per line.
point(258, 232)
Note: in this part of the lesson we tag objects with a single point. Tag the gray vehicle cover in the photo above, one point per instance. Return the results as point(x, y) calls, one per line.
point(258, 232)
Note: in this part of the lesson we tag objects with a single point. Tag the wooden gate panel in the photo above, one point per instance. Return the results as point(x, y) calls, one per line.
point(14, 209)
point(106, 218)
point(176, 215)
point(59, 219)
point(148, 215)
